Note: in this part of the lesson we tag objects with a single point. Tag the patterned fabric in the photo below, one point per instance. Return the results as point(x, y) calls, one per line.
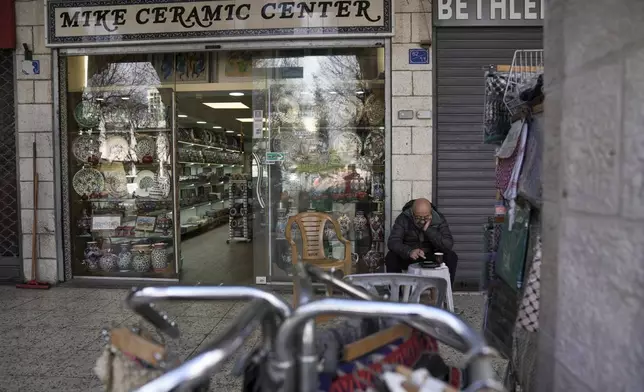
point(511, 192)
point(495, 84)
point(528, 317)
point(358, 375)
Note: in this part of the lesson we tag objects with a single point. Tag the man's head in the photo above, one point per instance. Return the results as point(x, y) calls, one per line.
point(422, 211)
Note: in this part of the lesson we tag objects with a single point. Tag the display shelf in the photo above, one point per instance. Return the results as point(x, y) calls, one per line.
point(193, 144)
point(239, 190)
point(210, 164)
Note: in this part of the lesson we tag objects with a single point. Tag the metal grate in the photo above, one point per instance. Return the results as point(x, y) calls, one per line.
point(9, 231)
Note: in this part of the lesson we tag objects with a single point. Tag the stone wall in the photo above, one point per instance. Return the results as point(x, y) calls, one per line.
point(411, 169)
point(593, 217)
point(34, 122)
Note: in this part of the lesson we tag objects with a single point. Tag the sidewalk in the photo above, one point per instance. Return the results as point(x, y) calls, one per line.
point(50, 340)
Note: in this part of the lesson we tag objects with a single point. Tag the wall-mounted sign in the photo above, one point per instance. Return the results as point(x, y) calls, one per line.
point(103, 22)
point(418, 56)
point(488, 12)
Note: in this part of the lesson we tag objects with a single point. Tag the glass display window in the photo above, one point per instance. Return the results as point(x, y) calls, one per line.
point(119, 149)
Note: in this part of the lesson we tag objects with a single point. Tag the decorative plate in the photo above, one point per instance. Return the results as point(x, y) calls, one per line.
point(115, 183)
point(145, 182)
point(145, 146)
point(374, 110)
point(87, 181)
point(348, 145)
point(84, 147)
point(287, 109)
point(117, 149)
point(374, 147)
point(286, 142)
point(87, 114)
point(346, 111)
point(206, 137)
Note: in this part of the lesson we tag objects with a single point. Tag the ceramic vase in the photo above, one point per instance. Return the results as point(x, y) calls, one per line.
point(295, 230)
point(109, 261)
point(345, 224)
point(280, 227)
point(377, 226)
point(125, 258)
point(329, 232)
point(141, 261)
point(373, 259)
point(285, 262)
point(360, 224)
point(163, 224)
point(378, 191)
point(84, 223)
point(159, 257)
point(92, 255)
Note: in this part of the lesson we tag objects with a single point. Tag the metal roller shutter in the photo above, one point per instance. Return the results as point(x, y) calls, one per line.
point(464, 165)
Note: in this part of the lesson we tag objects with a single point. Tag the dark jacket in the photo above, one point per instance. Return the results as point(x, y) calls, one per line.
point(406, 236)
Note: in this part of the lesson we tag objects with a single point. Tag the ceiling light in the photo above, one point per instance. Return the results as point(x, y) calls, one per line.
point(125, 98)
point(239, 134)
point(229, 131)
point(216, 127)
point(244, 119)
point(201, 122)
point(226, 105)
point(100, 99)
point(182, 116)
point(359, 92)
point(236, 94)
point(333, 92)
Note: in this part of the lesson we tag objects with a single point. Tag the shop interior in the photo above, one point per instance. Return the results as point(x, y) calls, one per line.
point(163, 144)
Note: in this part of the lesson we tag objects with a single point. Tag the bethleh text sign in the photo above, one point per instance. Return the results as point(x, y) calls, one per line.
point(488, 12)
point(85, 22)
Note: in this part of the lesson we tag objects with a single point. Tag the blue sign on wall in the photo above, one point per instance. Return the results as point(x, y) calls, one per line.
point(418, 56)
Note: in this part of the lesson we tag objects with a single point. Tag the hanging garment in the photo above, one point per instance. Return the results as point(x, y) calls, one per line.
point(507, 155)
point(496, 118)
point(528, 317)
point(511, 192)
point(529, 187)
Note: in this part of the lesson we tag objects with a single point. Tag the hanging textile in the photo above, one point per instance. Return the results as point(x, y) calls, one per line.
point(496, 118)
point(511, 192)
point(529, 187)
point(507, 156)
point(513, 247)
point(528, 317)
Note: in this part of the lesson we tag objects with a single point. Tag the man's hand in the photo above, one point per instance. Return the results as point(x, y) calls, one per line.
point(416, 253)
point(429, 222)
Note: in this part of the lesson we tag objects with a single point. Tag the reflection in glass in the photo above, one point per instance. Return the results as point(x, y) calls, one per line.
point(325, 111)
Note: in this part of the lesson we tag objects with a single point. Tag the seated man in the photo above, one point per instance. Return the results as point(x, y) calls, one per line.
point(419, 231)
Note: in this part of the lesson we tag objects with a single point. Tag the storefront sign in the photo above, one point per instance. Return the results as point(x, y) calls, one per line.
point(81, 22)
point(488, 12)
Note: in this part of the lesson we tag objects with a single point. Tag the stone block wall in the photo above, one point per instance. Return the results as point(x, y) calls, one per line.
point(593, 217)
point(411, 161)
point(34, 121)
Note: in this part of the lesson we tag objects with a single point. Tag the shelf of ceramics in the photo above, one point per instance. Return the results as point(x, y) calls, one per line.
point(192, 144)
point(199, 184)
point(201, 204)
point(211, 164)
point(124, 131)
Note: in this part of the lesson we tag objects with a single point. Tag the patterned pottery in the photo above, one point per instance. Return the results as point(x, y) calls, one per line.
point(280, 227)
point(125, 258)
point(159, 257)
point(377, 225)
point(360, 224)
point(374, 259)
point(84, 223)
point(141, 261)
point(329, 232)
point(92, 256)
point(109, 261)
point(345, 224)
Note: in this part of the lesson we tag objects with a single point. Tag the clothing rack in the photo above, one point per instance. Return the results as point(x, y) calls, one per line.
point(281, 364)
point(518, 148)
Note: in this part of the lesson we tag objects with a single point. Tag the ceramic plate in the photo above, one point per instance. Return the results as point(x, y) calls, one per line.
point(117, 149)
point(374, 110)
point(84, 147)
point(145, 147)
point(145, 182)
point(115, 183)
point(374, 147)
point(87, 114)
point(87, 181)
point(348, 145)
